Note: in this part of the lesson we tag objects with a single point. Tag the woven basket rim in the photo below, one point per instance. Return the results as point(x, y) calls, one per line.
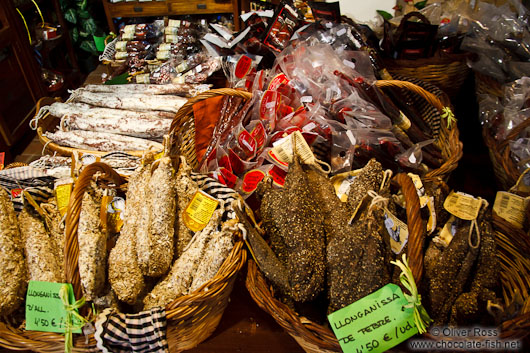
point(441, 60)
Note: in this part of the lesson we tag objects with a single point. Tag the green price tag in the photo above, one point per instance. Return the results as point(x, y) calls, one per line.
point(374, 323)
point(44, 309)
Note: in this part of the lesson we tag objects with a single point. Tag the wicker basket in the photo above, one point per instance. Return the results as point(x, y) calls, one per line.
point(313, 337)
point(488, 85)
point(191, 318)
point(183, 125)
point(504, 168)
point(48, 122)
point(513, 247)
point(448, 139)
point(448, 72)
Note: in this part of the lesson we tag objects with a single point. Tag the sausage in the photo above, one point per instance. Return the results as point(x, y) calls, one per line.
point(155, 243)
point(13, 271)
point(41, 261)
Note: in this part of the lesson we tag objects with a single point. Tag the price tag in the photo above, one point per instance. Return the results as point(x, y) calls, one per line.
point(447, 233)
point(374, 323)
point(342, 183)
point(62, 195)
point(429, 202)
point(398, 231)
point(16, 193)
point(200, 210)
point(278, 175)
point(44, 308)
point(416, 180)
point(283, 149)
point(111, 212)
point(462, 205)
point(511, 207)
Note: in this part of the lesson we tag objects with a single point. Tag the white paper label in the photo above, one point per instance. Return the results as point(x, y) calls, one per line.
point(353, 141)
point(309, 127)
point(283, 149)
point(349, 63)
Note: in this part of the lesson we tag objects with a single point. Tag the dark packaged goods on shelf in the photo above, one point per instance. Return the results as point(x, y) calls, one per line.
point(144, 31)
point(132, 46)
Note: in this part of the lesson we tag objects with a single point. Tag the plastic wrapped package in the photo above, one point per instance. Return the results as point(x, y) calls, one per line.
point(521, 153)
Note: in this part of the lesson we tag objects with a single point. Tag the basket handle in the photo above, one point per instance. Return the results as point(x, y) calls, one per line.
point(415, 225)
point(187, 108)
point(71, 249)
point(428, 96)
point(404, 20)
point(182, 117)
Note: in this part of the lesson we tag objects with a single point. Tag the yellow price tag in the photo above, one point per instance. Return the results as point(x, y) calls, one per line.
point(416, 180)
point(62, 195)
point(462, 205)
point(200, 210)
point(511, 207)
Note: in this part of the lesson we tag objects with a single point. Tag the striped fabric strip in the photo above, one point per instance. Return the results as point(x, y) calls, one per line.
point(429, 113)
point(22, 173)
point(143, 332)
point(41, 188)
point(219, 191)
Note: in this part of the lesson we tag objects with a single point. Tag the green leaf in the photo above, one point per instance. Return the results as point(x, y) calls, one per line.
point(387, 16)
point(89, 46)
point(84, 34)
point(75, 34)
point(63, 5)
point(70, 16)
point(420, 5)
point(82, 4)
point(89, 25)
point(83, 14)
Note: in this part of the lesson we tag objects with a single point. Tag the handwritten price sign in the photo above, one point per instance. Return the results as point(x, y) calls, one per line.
point(374, 323)
point(44, 308)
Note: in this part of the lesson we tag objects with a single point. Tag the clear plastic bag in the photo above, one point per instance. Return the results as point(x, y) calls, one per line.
point(521, 153)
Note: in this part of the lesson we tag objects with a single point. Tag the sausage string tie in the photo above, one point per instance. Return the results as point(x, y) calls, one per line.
point(34, 122)
point(474, 226)
point(421, 318)
point(71, 314)
point(377, 200)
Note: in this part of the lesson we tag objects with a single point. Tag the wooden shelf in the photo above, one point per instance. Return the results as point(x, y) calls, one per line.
point(168, 8)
